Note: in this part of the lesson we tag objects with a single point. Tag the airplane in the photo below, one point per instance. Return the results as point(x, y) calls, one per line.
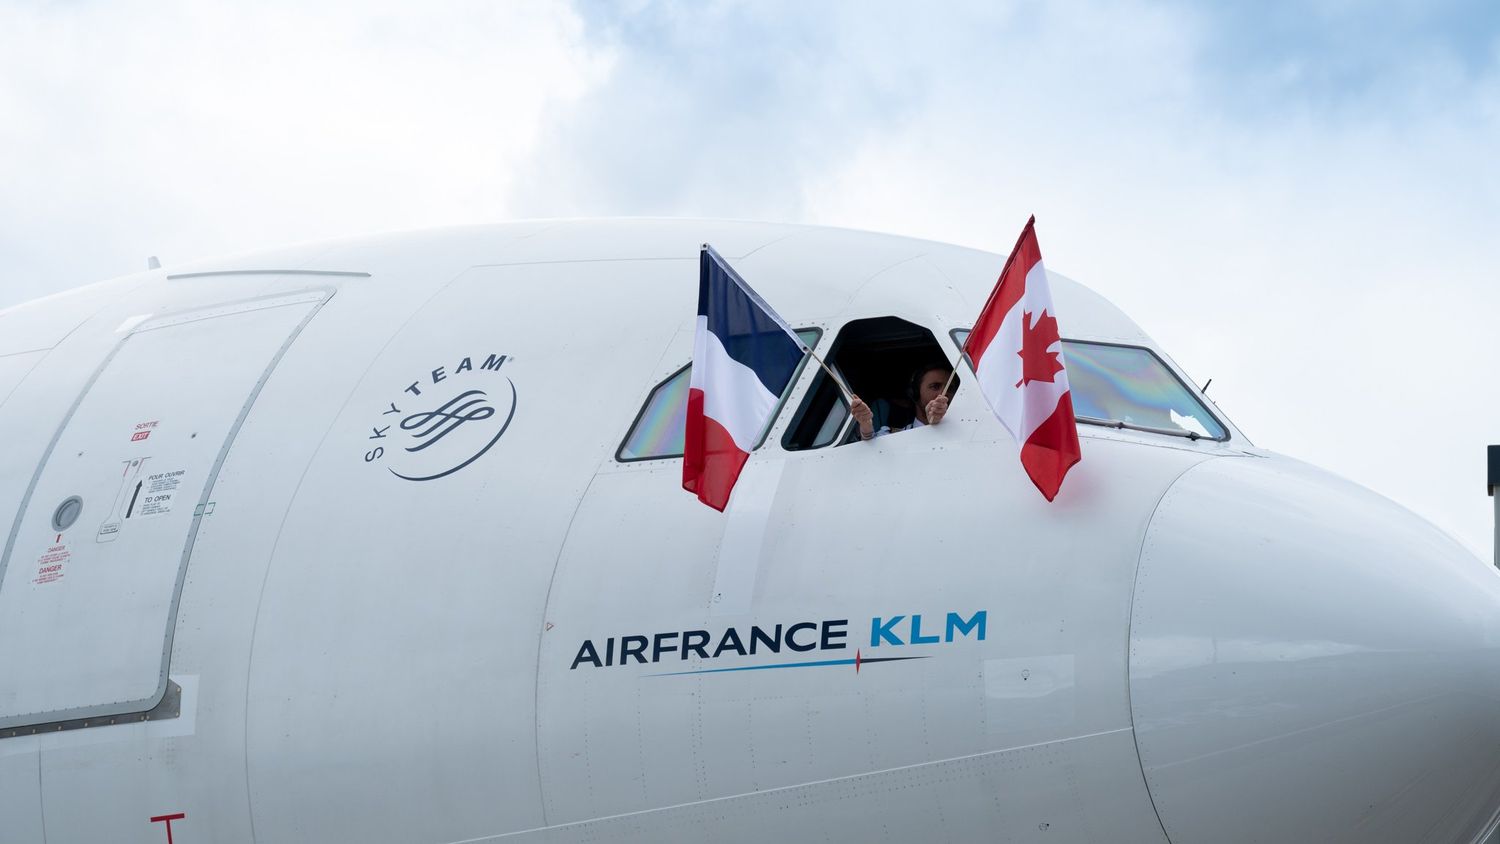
point(383, 540)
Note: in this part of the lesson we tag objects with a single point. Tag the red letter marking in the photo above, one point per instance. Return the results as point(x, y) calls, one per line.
point(168, 819)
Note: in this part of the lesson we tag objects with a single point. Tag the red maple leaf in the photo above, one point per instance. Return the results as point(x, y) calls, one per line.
point(1038, 364)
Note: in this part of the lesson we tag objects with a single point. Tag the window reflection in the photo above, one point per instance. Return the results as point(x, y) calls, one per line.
point(1130, 385)
point(659, 430)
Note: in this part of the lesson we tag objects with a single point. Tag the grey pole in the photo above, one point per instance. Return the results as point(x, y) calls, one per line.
point(1494, 481)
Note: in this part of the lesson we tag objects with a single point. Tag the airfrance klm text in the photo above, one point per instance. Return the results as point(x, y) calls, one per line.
point(813, 638)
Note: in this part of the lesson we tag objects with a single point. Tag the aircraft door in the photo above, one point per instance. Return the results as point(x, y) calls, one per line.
point(94, 564)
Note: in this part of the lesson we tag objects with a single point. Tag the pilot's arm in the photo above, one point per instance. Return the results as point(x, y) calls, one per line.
point(864, 416)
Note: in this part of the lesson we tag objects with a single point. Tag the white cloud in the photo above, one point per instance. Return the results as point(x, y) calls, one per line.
point(193, 129)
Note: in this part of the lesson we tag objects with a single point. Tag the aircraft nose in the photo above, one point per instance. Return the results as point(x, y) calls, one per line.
point(1311, 662)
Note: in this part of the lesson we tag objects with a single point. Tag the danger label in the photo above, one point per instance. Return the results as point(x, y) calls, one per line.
point(156, 493)
point(49, 566)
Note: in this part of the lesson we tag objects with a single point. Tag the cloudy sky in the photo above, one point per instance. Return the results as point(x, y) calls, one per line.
point(1298, 200)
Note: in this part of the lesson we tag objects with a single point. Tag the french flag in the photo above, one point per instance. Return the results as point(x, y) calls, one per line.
point(744, 356)
point(1017, 354)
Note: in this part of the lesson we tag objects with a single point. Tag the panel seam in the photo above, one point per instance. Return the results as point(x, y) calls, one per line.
point(1130, 637)
point(811, 784)
point(536, 683)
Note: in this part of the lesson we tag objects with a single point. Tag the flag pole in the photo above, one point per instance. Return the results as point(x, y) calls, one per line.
point(951, 373)
point(848, 393)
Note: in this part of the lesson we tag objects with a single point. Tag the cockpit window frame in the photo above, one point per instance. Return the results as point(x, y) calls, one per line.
point(862, 352)
point(786, 395)
point(1202, 400)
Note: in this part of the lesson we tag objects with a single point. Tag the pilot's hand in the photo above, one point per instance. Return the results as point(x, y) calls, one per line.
point(936, 409)
point(864, 416)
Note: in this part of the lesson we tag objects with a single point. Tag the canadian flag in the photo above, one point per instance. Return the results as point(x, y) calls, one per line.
point(1017, 356)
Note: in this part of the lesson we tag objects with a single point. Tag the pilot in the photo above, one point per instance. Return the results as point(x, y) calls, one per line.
point(926, 392)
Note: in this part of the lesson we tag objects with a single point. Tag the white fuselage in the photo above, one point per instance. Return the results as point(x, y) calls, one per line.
point(360, 608)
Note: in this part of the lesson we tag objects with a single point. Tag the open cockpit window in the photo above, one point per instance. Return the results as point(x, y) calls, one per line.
point(657, 432)
point(877, 358)
point(1130, 387)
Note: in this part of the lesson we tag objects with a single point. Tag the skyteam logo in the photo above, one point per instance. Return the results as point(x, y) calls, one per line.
point(821, 641)
point(445, 420)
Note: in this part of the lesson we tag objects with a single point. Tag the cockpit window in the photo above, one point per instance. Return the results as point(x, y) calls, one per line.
point(658, 429)
point(1130, 387)
point(659, 426)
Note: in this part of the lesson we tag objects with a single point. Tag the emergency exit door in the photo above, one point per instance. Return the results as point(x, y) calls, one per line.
point(94, 563)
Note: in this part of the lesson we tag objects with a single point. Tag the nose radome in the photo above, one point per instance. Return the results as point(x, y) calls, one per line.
point(1311, 662)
